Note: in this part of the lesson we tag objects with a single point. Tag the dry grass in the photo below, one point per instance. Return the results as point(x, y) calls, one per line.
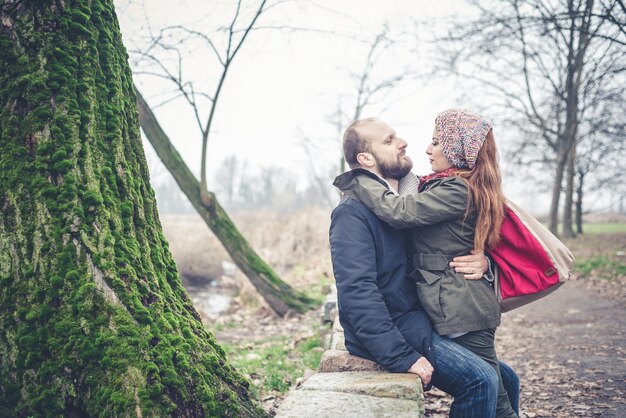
point(294, 244)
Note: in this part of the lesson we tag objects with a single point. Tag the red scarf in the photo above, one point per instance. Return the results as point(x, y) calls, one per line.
point(448, 172)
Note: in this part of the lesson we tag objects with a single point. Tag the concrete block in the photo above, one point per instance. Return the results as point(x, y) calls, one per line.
point(326, 404)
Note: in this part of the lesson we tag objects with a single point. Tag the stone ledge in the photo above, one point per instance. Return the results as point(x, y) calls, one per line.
point(327, 404)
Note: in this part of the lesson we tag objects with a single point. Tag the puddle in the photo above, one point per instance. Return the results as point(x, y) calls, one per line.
point(210, 300)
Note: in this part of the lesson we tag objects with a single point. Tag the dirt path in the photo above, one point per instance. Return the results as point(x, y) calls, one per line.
point(569, 351)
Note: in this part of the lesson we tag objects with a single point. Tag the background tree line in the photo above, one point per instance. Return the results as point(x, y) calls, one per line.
point(242, 188)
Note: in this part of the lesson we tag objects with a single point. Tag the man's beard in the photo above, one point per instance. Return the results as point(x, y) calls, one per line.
point(396, 169)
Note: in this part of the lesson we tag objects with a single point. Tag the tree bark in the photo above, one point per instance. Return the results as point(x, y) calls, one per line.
point(561, 162)
point(579, 203)
point(567, 140)
point(577, 48)
point(281, 297)
point(94, 318)
point(568, 205)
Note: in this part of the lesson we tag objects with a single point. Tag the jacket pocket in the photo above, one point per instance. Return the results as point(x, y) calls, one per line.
point(427, 274)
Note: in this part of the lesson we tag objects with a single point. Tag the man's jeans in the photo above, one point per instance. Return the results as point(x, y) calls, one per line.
point(470, 380)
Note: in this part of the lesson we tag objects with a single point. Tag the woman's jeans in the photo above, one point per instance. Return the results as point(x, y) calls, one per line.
point(470, 380)
point(482, 343)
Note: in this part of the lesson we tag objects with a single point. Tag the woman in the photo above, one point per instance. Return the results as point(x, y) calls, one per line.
point(459, 208)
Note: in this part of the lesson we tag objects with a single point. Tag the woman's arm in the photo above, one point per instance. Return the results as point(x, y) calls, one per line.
point(446, 201)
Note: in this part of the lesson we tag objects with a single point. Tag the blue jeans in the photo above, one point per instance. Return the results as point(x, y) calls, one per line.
point(470, 380)
point(510, 380)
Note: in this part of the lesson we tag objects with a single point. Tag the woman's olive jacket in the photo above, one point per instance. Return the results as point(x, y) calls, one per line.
point(441, 231)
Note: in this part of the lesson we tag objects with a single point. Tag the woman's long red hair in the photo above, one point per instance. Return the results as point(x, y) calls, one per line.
point(485, 183)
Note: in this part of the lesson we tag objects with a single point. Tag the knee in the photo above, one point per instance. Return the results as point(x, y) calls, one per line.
point(487, 379)
point(510, 379)
point(514, 380)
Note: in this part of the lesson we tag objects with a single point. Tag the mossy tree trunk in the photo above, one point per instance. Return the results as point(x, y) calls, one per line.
point(94, 320)
point(281, 297)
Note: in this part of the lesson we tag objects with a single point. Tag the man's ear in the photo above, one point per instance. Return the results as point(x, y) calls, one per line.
point(365, 159)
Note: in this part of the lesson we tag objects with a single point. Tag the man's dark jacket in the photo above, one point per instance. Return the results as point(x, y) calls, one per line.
point(378, 306)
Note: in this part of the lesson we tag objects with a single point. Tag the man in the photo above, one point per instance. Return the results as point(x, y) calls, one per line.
point(378, 305)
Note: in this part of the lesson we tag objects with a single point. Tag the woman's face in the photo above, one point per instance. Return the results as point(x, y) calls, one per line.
point(438, 161)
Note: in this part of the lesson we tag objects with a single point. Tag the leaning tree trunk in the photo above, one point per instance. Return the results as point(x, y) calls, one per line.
point(94, 318)
point(281, 297)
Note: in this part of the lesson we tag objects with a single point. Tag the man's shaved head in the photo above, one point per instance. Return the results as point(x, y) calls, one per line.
point(354, 143)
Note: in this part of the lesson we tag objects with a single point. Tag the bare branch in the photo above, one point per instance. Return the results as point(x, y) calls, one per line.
point(202, 36)
point(225, 67)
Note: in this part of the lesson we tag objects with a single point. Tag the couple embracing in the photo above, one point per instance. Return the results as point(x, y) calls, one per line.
point(415, 293)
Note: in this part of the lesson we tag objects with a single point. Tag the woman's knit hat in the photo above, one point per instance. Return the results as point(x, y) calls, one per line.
point(461, 135)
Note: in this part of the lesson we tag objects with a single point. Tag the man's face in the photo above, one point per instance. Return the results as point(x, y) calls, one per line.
point(388, 150)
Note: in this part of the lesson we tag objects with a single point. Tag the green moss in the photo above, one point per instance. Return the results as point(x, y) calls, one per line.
point(92, 198)
point(62, 167)
point(76, 29)
point(44, 148)
point(126, 209)
point(49, 191)
point(59, 155)
point(80, 17)
point(72, 276)
point(38, 182)
point(56, 282)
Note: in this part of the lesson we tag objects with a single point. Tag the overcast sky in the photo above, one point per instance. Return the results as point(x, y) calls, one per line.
point(286, 85)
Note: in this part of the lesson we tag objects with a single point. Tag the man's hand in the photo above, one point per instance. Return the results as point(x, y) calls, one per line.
point(423, 369)
point(473, 266)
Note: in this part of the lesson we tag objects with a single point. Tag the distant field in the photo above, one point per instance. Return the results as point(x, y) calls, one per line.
point(600, 255)
point(607, 228)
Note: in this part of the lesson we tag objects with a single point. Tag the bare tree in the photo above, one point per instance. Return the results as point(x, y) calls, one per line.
point(599, 156)
point(370, 88)
point(536, 61)
point(163, 58)
point(371, 83)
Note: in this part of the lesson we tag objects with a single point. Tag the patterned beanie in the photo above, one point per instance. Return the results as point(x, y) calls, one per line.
point(461, 135)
